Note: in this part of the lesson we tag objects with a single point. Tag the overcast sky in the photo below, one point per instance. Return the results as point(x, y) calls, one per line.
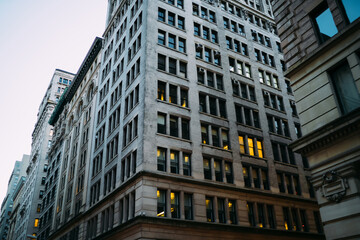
point(37, 36)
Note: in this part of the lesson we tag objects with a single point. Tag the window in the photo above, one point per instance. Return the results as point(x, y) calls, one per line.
point(352, 9)
point(232, 211)
point(273, 101)
point(237, 46)
point(219, 136)
point(173, 96)
point(278, 126)
point(318, 222)
point(209, 202)
point(221, 210)
point(251, 213)
point(210, 78)
point(174, 161)
point(188, 212)
point(282, 153)
point(175, 204)
point(247, 116)
point(324, 23)
point(239, 67)
point(243, 90)
point(161, 203)
point(175, 66)
point(161, 159)
point(219, 171)
point(182, 131)
point(345, 89)
point(186, 164)
point(208, 54)
point(216, 106)
point(252, 146)
point(288, 183)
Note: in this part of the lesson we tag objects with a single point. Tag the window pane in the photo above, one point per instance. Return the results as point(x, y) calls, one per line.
point(325, 24)
point(352, 9)
point(161, 203)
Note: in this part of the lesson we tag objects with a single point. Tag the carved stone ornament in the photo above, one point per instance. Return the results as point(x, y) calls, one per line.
point(333, 186)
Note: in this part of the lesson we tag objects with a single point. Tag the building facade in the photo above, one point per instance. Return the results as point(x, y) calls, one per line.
point(321, 42)
point(193, 118)
point(7, 205)
point(33, 190)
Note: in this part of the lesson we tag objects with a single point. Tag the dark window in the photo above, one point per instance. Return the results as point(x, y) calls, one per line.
point(251, 214)
point(188, 212)
point(345, 88)
point(218, 170)
point(161, 124)
point(221, 210)
point(174, 128)
point(161, 62)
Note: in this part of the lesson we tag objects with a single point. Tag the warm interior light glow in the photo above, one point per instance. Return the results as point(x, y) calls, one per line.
point(158, 193)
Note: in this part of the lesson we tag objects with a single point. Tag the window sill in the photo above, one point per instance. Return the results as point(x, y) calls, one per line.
point(173, 104)
point(214, 147)
point(278, 135)
point(173, 6)
point(248, 126)
point(214, 116)
point(213, 88)
point(129, 143)
point(172, 137)
point(251, 156)
point(205, 19)
point(238, 74)
point(172, 74)
point(248, 100)
point(264, 84)
point(207, 40)
point(236, 33)
point(274, 109)
point(213, 64)
point(240, 53)
point(286, 164)
point(183, 30)
point(172, 49)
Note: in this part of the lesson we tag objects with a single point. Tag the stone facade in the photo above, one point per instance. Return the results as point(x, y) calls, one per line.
point(325, 77)
point(160, 168)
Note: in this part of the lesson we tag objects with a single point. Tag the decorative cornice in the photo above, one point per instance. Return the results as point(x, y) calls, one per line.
point(324, 136)
point(84, 68)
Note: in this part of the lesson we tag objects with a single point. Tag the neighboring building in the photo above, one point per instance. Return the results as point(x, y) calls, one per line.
point(33, 190)
point(192, 124)
point(69, 156)
point(321, 42)
point(8, 202)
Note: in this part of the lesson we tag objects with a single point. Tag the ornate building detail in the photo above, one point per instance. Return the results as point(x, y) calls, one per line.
point(334, 186)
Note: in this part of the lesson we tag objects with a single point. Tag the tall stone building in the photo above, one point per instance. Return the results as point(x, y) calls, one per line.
point(33, 190)
point(321, 42)
point(69, 156)
point(192, 121)
point(7, 205)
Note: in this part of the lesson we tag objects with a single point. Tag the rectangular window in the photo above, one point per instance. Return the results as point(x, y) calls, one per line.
point(221, 210)
point(188, 212)
point(175, 204)
point(174, 162)
point(345, 89)
point(161, 203)
point(187, 164)
point(232, 211)
point(251, 213)
point(161, 123)
point(161, 159)
point(207, 169)
point(324, 23)
point(209, 209)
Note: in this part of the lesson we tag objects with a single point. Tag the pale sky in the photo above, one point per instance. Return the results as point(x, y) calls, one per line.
point(36, 37)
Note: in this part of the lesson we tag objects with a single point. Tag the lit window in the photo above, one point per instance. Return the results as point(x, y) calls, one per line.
point(161, 203)
point(36, 223)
